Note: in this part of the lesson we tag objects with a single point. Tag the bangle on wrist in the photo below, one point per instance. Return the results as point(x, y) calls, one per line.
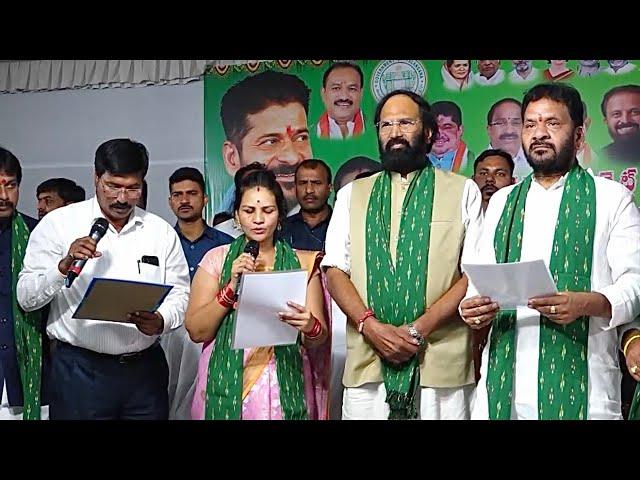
point(316, 330)
point(628, 342)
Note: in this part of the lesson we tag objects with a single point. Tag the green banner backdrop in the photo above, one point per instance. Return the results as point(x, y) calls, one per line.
point(473, 86)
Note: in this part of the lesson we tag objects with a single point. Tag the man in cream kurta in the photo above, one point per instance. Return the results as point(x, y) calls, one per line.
point(446, 371)
point(552, 134)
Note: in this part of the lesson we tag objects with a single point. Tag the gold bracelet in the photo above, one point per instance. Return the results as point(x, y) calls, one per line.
point(626, 344)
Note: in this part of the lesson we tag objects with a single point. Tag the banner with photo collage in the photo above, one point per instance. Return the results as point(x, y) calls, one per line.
point(477, 103)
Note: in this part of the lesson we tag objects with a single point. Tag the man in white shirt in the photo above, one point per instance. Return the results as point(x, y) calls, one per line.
point(489, 72)
point(504, 126)
point(392, 257)
point(341, 94)
point(557, 358)
point(618, 67)
point(103, 369)
point(523, 72)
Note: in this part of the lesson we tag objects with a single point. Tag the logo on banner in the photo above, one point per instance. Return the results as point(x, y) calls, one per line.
point(390, 75)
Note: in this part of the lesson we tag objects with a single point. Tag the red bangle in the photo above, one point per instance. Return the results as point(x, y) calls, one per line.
point(367, 313)
point(316, 330)
point(225, 297)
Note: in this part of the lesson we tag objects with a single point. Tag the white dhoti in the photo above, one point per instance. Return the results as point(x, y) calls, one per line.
point(367, 402)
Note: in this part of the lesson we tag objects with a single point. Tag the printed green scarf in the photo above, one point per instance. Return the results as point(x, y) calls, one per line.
point(562, 367)
point(224, 378)
point(26, 327)
point(397, 293)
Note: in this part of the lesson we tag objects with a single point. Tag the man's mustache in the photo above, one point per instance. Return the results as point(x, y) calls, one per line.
point(508, 136)
point(6, 203)
point(627, 125)
point(120, 206)
point(396, 141)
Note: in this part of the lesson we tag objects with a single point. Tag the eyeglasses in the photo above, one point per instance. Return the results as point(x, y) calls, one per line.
point(113, 192)
point(514, 122)
point(406, 125)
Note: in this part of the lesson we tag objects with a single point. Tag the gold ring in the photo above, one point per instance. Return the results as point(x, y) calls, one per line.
point(477, 322)
point(553, 309)
point(634, 369)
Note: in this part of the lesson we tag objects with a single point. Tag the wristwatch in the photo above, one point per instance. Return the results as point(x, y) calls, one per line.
point(415, 334)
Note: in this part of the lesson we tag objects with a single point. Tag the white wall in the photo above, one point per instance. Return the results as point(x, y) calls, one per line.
point(56, 134)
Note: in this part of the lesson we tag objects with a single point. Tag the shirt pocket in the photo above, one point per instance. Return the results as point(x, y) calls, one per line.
point(150, 273)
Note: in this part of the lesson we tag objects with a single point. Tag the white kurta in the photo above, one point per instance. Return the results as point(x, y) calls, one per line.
point(615, 273)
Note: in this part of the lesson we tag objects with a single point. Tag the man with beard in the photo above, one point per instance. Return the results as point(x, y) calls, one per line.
point(621, 111)
point(504, 126)
point(523, 72)
point(264, 117)
point(392, 258)
point(588, 68)
point(558, 358)
point(307, 229)
point(449, 152)
point(106, 369)
point(187, 201)
point(492, 170)
point(618, 67)
point(489, 72)
point(341, 94)
point(23, 379)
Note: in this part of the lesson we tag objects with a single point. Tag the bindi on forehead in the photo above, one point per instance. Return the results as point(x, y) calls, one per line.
point(290, 131)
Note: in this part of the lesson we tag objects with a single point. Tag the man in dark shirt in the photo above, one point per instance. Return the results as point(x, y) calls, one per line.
point(307, 229)
point(187, 200)
point(11, 386)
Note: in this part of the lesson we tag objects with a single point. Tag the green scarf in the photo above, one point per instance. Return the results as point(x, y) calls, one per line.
point(397, 293)
point(224, 378)
point(26, 327)
point(562, 367)
point(634, 411)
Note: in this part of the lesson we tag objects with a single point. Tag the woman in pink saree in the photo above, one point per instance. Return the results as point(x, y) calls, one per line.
point(265, 383)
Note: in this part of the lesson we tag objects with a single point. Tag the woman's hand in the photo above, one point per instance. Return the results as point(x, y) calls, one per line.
point(244, 263)
point(298, 317)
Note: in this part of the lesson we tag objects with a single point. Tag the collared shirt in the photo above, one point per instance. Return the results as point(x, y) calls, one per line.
point(445, 162)
point(298, 234)
point(338, 242)
point(194, 251)
point(40, 282)
point(615, 273)
point(521, 167)
point(497, 78)
point(534, 74)
point(334, 128)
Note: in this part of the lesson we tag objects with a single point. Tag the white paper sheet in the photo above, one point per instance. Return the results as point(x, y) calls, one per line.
point(511, 284)
point(263, 295)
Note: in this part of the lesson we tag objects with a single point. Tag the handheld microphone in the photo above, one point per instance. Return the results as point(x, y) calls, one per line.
point(98, 229)
point(252, 248)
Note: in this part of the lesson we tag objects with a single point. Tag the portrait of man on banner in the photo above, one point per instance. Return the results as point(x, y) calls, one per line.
point(342, 95)
point(264, 118)
point(449, 151)
point(621, 111)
